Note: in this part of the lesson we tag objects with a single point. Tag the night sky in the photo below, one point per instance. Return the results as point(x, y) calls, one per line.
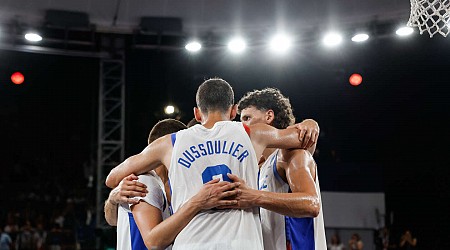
point(396, 120)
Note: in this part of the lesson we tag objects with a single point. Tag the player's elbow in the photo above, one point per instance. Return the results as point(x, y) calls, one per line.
point(110, 181)
point(307, 208)
point(314, 211)
point(152, 242)
point(110, 221)
point(315, 207)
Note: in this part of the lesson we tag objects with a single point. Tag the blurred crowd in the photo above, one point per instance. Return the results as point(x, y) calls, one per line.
point(44, 209)
point(383, 241)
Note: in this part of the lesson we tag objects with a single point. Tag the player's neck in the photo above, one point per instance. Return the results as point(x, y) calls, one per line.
point(214, 117)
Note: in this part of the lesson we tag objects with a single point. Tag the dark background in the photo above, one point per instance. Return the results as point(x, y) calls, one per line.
point(396, 121)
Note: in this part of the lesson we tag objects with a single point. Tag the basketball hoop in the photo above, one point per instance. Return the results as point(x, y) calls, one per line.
point(432, 16)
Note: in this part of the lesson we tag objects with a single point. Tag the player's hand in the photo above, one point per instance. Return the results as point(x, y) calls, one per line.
point(128, 187)
point(309, 132)
point(216, 193)
point(246, 196)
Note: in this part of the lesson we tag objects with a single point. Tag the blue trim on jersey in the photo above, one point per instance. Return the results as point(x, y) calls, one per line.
point(137, 243)
point(300, 232)
point(170, 205)
point(173, 136)
point(170, 210)
point(257, 182)
point(165, 202)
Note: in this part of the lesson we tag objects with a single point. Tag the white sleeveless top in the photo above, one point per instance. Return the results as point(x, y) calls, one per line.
point(128, 234)
point(279, 230)
point(200, 155)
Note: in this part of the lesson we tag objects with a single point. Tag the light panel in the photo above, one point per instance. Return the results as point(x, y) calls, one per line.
point(193, 46)
point(332, 39)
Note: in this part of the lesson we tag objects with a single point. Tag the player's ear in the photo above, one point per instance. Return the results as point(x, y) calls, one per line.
point(270, 116)
point(197, 114)
point(233, 112)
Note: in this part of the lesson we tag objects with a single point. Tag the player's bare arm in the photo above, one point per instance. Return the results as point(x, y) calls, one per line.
point(155, 154)
point(265, 136)
point(302, 202)
point(128, 187)
point(160, 234)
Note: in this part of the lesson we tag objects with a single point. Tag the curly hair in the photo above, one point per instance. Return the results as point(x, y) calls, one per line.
point(270, 98)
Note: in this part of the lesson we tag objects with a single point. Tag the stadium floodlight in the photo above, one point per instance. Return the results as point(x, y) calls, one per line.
point(332, 39)
point(404, 31)
point(33, 37)
point(361, 37)
point(237, 45)
point(193, 46)
point(169, 109)
point(280, 43)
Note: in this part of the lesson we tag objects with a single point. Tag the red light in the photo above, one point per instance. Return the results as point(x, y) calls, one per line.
point(17, 78)
point(355, 79)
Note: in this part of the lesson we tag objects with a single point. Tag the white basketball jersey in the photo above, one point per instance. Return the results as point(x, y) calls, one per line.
point(200, 155)
point(128, 235)
point(284, 232)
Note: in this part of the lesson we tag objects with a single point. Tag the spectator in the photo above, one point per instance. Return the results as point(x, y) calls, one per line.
point(355, 242)
point(11, 228)
point(25, 239)
point(384, 241)
point(407, 241)
point(40, 236)
point(335, 243)
point(5, 240)
point(55, 237)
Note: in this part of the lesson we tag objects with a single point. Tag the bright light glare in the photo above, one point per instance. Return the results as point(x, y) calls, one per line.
point(360, 37)
point(237, 45)
point(404, 31)
point(280, 43)
point(33, 37)
point(193, 46)
point(169, 109)
point(332, 39)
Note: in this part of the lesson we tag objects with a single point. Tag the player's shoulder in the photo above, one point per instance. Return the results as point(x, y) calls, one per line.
point(151, 180)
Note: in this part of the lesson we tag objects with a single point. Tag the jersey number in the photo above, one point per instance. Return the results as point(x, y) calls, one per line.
point(214, 172)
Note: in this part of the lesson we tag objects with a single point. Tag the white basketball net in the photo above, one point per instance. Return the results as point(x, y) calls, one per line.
point(432, 16)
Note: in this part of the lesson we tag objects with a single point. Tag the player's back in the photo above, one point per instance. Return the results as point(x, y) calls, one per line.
point(200, 155)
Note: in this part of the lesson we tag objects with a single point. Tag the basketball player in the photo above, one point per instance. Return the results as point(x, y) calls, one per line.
point(293, 219)
point(143, 214)
point(205, 152)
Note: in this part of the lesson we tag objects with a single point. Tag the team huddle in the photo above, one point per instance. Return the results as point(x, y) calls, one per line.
point(221, 184)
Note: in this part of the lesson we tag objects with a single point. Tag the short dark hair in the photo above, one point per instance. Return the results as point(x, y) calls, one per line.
point(270, 98)
point(165, 127)
point(214, 94)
